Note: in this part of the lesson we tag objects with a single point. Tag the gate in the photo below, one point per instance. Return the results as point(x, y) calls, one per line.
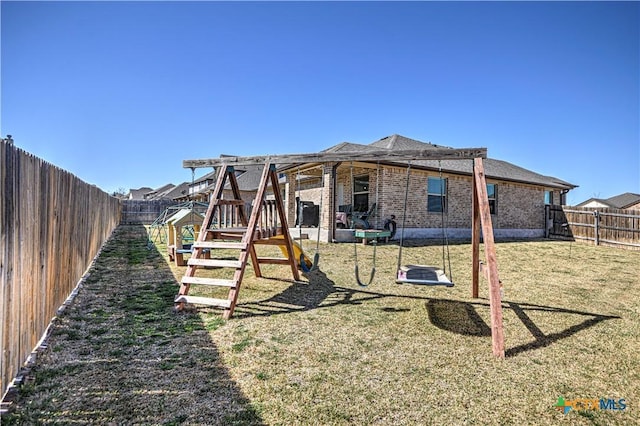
point(602, 226)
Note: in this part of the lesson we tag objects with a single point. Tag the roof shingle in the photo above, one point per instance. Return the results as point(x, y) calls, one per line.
point(497, 169)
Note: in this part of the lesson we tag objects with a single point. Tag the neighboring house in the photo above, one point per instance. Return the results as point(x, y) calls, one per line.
point(138, 194)
point(628, 200)
point(179, 191)
point(197, 190)
point(145, 204)
point(517, 196)
point(159, 193)
point(248, 178)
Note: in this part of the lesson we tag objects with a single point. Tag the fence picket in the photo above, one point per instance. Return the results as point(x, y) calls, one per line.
point(616, 227)
point(52, 224)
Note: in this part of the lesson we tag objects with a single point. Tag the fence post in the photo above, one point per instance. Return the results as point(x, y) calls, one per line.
point(596, 218)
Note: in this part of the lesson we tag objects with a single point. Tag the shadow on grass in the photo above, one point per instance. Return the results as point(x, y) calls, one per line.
point(462, 318)
point(120, 355)
point(456, 316)
point(541, 339)
point(299, 296)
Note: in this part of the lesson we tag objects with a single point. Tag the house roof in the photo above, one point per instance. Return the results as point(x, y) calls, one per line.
point(621, 201)
point(249, 179)
point(138, 194)
point(208, 176)
point(184, 216)
point(249, 176)
point(496, 169)
point(625, 200)
point(398, 142)
point(159, 193)
point(179, 191)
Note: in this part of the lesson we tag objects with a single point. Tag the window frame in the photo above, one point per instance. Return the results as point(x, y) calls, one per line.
point(443, 204)
point(363, 194)
point(493, 201)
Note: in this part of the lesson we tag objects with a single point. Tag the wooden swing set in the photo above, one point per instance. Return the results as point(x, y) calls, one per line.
point(226, 226)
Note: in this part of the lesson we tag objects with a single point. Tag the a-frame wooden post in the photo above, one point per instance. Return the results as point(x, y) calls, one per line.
point(248, 234)
point(225, 173)
point(247, 240)
point(288, 241)
point(482, 217)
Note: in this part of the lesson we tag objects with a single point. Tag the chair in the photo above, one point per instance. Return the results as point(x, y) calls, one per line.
point(342, 216)
point(360, 220)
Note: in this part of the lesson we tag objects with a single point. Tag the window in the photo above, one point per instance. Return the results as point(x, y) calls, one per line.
point(548, 197)
point(361, 193)
point(340, 194)
point(436, 195)
point(492, 195)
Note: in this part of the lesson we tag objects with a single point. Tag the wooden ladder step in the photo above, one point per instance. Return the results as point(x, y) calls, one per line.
point(209, 301)
point(219, 245)
point(218, 234)
point(272, 241)
point(230, 230)
point(215, 263)
point(223, 202)
point(274, 260)
point(208, 281)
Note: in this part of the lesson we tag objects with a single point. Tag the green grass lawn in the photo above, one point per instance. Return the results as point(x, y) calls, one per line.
point(326, 351)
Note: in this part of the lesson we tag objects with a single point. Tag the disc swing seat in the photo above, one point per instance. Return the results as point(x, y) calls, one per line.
point(423, 274)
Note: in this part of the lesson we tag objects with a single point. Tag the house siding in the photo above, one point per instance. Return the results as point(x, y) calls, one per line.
point(519, 206)
point(519, 209)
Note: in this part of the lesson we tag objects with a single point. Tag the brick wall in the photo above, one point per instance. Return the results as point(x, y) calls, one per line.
point(417, 216)
point(519, 206)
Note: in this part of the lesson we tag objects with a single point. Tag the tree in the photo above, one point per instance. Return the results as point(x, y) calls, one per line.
point(120, 193)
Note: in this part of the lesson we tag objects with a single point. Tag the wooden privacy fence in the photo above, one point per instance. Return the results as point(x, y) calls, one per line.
point(143, 211)
point(52, 225)
point(602, 226)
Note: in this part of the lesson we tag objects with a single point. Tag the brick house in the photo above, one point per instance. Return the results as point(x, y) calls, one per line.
point(437, 191)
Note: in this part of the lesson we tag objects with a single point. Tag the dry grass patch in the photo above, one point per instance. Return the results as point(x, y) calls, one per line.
point(325, 351)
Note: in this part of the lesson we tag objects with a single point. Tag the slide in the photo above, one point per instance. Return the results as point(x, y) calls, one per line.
point(297, 252)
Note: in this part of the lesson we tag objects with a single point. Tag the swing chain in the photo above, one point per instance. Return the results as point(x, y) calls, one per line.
point(445, 238)
point(404, 216)
point(355, 244)
point(316, 257)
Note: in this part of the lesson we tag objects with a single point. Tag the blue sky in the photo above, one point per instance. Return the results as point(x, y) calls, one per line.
point(119, 93)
